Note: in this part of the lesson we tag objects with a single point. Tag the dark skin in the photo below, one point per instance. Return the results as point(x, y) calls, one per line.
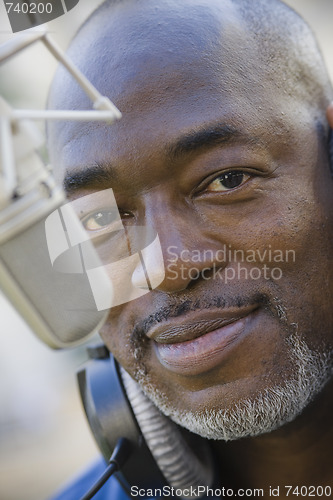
point(170, 85)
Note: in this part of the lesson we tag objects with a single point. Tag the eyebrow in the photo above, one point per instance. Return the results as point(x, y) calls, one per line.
point(99, 175)
point(207, 137)
point(96, 175)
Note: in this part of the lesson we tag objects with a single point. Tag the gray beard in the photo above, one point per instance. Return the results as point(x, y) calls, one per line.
point(264, 413)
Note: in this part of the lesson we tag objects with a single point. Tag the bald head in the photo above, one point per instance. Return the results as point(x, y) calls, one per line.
point(248, 45)
point(282, 40)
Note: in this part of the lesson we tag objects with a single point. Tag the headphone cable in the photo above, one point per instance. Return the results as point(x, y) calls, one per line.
point(118, 458)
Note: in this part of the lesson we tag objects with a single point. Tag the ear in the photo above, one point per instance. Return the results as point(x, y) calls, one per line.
point(329, 115)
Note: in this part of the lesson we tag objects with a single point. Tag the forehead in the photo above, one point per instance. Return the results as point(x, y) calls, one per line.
point(169, 73)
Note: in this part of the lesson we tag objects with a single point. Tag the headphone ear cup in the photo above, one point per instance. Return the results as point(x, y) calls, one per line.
point(162, 453)
point(177, 461)
point(110, 417)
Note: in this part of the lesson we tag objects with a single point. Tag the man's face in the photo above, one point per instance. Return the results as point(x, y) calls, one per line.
point(232, 173)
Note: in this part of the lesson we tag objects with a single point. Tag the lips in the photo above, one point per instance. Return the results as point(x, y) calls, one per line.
point(200, 341)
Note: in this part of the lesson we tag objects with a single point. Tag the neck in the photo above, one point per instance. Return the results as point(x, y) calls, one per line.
point(298, 454)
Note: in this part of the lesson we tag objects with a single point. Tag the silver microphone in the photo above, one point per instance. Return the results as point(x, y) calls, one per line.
point(36, 222)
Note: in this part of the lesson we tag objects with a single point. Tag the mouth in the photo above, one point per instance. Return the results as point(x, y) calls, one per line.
point(200, 342)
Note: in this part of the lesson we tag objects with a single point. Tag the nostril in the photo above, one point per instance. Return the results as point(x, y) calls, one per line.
point(207, 273)
point(151, 271)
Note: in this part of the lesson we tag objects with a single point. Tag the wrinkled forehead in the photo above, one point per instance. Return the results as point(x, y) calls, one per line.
point(143, 57)
point(165, 70)
point(138, 42)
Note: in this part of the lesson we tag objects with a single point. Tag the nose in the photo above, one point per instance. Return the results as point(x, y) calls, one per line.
point(182, 254)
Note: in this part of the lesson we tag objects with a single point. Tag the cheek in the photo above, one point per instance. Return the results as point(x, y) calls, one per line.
point(116, 340)
point(278, 227)
point(117, 334)
point(293, 237)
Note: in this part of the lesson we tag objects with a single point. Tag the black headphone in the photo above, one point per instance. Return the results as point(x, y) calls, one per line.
point(161, 452)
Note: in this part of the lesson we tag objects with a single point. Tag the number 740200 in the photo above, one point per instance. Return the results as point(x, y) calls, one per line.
point(309, 491)
point(29, 8)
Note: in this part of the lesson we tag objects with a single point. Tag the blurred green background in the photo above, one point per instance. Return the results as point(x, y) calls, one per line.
point(44, 438)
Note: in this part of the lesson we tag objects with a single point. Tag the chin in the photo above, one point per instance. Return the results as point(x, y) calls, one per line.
point(261, 412)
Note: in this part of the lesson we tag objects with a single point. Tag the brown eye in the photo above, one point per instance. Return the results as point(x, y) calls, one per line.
point(228, 180)
point(100, 220)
